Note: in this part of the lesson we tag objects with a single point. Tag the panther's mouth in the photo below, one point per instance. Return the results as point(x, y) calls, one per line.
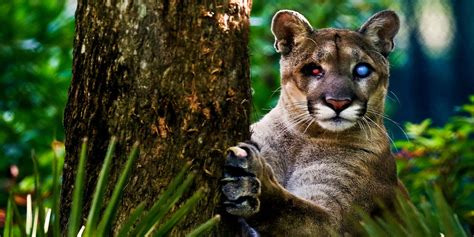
point(337, 119)
point(334, 121)
point(336, 124)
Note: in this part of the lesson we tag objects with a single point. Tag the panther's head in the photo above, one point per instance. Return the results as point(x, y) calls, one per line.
point(334, 78)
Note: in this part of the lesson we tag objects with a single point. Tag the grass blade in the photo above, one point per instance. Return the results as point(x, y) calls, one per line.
point(391, 226)
point(47, 220)
point(58, 152)
point(81, 231)
point(430, 217)
point(98, 197)
point(76, 207)
point(413, 219)
point(38, 219)
point(7, 229)
point(179, 214)
point(171, 188)
point(123, 232)
point(19, 218)
point(371, 227)
point(153, 219)
point(36, 223)
point(434, 217)
point(205, 227)
point(447, 219)
point(29, 214)
point(111, 209)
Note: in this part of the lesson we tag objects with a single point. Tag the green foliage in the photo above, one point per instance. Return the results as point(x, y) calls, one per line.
point(41, 213)
point(35, 70)
point(434, 218)
point(442, 156)
point(153, 222)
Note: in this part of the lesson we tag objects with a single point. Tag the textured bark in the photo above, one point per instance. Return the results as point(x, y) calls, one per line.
point(173, 75)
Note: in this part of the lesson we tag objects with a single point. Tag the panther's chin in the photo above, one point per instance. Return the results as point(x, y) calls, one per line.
point(336, 124)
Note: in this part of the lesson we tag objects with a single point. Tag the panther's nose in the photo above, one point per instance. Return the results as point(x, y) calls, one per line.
point(338, 104)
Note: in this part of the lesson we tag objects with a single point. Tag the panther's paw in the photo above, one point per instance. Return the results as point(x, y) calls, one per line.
point(240, 185)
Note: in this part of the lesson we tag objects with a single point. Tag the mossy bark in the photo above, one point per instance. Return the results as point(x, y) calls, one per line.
point(173, 75)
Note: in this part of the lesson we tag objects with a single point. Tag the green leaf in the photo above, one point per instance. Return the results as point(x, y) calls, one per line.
point(148, 220)
point(76, 207)
point(39, 209)
point(100, 190)
point(416, 130)
point(412, 218)
point(7, 229)
point(153, 220)
point(205, 227)
point(447, 219)
point(19, 219)
point(27, 184)
point(110, 211)
point(179, 214)
point(56, 187)
point(125, 229)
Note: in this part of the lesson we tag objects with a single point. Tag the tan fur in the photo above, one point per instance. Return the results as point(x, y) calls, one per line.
point(312, 173)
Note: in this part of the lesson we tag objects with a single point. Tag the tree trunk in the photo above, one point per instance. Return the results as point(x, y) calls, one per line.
point(173, 75)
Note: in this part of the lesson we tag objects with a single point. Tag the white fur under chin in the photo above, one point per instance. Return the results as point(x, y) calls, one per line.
point(336, 126)
point(348, 117)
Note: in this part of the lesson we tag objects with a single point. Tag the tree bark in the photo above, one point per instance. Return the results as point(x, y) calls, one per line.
point(173, 75)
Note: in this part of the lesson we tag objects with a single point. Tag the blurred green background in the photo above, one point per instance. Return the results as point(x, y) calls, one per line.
point(431, 78)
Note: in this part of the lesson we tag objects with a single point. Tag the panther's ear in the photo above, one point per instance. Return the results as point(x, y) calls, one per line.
point(286, 27)
point(380, 30)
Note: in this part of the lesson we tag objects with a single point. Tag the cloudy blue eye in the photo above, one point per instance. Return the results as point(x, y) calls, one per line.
point(362, 70)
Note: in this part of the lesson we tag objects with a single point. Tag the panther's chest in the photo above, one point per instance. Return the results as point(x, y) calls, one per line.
point(327, 173)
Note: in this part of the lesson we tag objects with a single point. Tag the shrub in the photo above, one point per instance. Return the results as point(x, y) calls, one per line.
point(441, 156)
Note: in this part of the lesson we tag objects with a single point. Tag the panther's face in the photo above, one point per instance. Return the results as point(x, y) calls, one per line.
point(331, 77)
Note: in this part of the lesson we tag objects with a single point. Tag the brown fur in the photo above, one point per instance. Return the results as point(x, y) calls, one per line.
point(313, 174)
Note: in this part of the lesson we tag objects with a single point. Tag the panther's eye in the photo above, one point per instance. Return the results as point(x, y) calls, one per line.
point(313, 70)
point(362, 70)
